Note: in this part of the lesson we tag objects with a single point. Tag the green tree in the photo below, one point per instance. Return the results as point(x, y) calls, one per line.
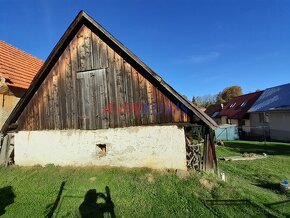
point(193, 100)
point(228, 93)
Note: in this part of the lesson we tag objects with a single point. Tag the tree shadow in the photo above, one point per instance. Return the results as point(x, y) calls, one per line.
point(270, 186)
point(230, 208)
point(90, 207)
point(7, 197)
point(271, 149)
point(281, 207)
point(50, 209)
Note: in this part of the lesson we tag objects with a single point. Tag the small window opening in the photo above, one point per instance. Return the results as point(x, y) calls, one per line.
point(233, 105)
point(102, 150)
point(244, 103)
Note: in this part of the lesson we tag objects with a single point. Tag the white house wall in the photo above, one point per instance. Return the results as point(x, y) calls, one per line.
point(149, 146)
point(7, 103)
point(279, 123)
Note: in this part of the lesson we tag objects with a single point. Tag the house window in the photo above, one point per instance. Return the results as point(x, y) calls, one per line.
point(233, 105)
point(244, 103)
point(263, 117)
point(241, 122)
point(266, 118)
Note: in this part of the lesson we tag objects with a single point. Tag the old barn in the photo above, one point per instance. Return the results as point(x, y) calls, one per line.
point(95, 103)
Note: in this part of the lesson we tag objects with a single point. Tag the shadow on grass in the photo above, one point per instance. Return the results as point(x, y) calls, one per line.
point(281, 207)
point(270, 186)
point(90, 207)
point(230, 208)
point(7, 197)
point(50, 209)
point(259, 148)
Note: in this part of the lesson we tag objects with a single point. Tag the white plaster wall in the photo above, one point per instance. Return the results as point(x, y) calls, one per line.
point(234, 122)
point(256, 126)
point(149, 146)
point(279, 122)
point(224, 120)
point(247, 126)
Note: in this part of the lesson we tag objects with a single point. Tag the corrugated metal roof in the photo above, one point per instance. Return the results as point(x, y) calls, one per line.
point(237, 107)
point(275, 97)
point(17, 66)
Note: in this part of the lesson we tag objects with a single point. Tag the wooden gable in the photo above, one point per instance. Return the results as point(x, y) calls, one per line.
point(91, 81)
point(92, 87)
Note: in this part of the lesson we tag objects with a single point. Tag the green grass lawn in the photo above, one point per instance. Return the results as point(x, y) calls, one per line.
point(251, 189)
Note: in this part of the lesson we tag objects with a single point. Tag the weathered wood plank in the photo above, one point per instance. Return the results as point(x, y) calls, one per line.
point(176, 113)
point(130, 97)
point(61, 93)
point(40, 108)
point(120, 110)
point(45, 105)
point(80, 97)
point(151, 94)
point(160, 107)
point(143, 100)
point(68, 92)
point(98, 102)
point(51, 102)
point(84, 49)
point(55, 98)
point(94, 111)
point(4, 150)
point(168, 110)
point(112, 90)
point(86, 89)
point(103, 55)
point(74, 69)
point(96, 51)
point(103, 97)
point(35, 113)
point(136, 97)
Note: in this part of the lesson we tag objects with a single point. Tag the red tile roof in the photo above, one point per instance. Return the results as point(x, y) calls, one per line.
point(237, 107)
point(16, 66)
point(212, 109)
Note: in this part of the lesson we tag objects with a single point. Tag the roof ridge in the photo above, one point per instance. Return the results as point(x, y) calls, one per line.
point(251, 93)
point(278, 86)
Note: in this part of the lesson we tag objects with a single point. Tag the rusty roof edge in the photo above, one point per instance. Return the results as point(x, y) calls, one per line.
point(55, 52)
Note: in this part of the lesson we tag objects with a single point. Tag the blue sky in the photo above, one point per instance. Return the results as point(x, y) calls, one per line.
point(198, 47)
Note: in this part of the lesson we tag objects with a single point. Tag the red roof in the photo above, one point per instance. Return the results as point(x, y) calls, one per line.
point(16, 66)
point(212, 109)
point(237, 107)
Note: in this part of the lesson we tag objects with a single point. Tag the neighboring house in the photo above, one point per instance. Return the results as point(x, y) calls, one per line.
point(235, 112)
point(213, 111)
point(95, 103)
point(17, 69)
point(270, 115)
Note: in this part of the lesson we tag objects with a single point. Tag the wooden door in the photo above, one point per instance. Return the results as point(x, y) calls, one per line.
point(92, 99)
